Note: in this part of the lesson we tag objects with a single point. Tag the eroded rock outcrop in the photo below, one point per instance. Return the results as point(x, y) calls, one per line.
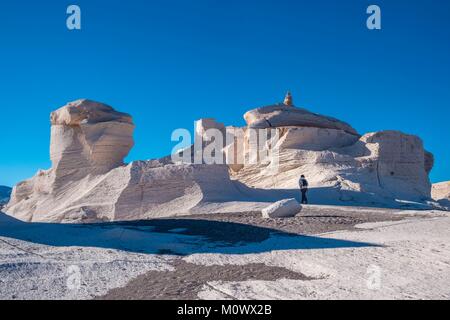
point(89, 182)
point(282, 209)
point(89, 136)
point(441, 191)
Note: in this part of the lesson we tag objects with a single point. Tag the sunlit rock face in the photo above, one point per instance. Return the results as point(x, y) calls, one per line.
point(441, 191)
point(88, 140)
point(386, 164)
point(90, 136)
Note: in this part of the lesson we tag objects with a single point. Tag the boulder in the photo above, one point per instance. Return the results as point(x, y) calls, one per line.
point(287, 208)
point(139, 190)
point(89, 137)
point(429, 161)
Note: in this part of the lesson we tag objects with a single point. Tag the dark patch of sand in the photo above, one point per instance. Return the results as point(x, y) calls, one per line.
point(188, 279)
point(311, 220)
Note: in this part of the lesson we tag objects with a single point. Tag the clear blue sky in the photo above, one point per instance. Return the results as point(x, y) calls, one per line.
point(170, 62)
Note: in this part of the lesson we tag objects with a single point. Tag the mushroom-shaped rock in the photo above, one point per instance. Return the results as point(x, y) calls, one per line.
point(281, 115)
point(89, 135)
point(441, 191)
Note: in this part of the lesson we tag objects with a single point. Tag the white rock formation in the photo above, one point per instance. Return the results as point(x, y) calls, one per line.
point(441, 193)
point(89, 136)
point(287, 208)
point(384, 168)
point(441, 190)
point(140, 190)
point(89, 182)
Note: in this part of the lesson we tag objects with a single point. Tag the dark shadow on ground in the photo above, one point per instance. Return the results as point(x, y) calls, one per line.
point(334, 196)
point(168, 236)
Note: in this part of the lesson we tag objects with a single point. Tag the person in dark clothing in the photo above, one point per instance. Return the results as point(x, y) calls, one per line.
point(304, 189)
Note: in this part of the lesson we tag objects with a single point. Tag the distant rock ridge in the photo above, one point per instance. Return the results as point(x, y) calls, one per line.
point(89, 182)
point(5, 193)
point(89, 136)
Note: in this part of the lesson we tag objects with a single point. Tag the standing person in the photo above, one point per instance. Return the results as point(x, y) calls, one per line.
point(304, 189)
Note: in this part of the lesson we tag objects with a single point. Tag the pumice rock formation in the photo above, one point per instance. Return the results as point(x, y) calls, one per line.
point(282, 209)
point(89, 182)
point(89, 136)
point(441, 190)
point(386, 168)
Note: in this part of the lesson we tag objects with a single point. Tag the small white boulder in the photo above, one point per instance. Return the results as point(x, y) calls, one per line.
point(282, 209)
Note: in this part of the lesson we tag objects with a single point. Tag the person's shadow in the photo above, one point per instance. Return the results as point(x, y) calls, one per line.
point(168, 236)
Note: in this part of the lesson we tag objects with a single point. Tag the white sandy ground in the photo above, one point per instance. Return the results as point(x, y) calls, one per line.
point(412, 263)
point(42, 272)
point(101, 258)
point(40, 261)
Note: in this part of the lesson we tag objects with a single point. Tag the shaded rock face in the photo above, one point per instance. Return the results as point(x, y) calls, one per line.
point(88, 139)
point(310, 138)
point(429, 161)
point(382, 168)
point(139, 190)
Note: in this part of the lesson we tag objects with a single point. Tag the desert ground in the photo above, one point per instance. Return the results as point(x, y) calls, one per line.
point(325, 252)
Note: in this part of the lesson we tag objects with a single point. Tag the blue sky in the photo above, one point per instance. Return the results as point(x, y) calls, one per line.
point(170, 62)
